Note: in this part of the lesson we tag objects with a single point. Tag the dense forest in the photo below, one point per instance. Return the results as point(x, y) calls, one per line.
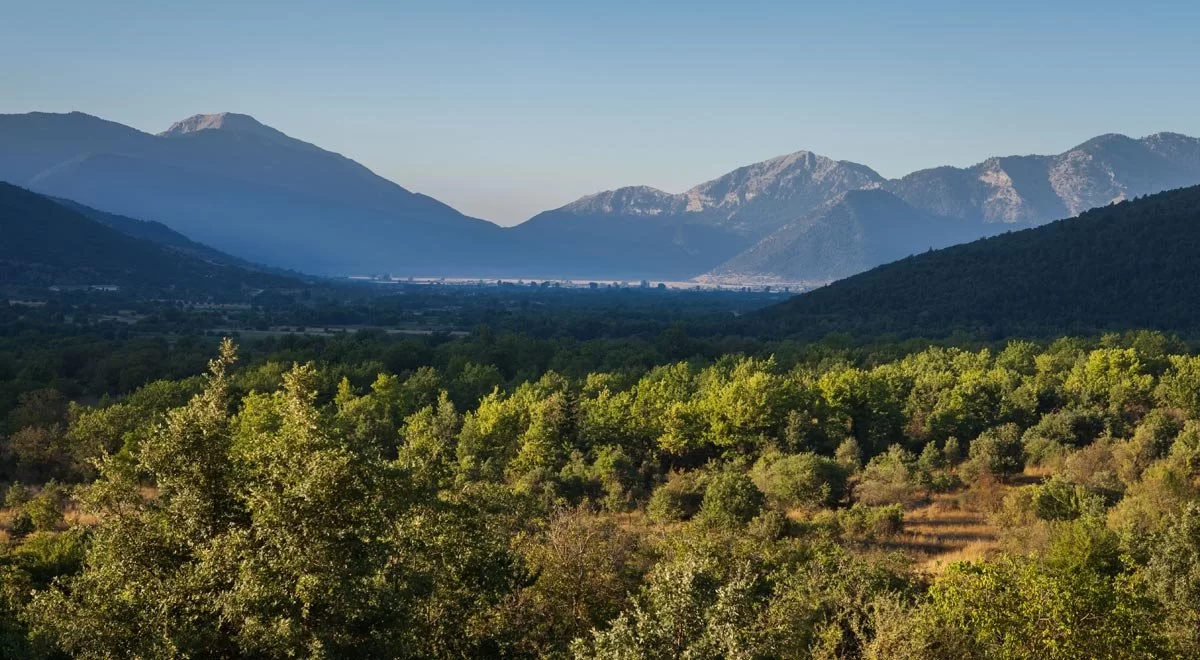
point(1118, 267)
point(608, 499)
point(397, 469)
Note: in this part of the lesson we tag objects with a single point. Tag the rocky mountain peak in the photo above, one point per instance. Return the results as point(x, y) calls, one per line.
point(223, 121)
point(232, 122)
point(630, 200)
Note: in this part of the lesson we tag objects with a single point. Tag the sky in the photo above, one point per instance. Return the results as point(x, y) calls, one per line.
point(506, 109)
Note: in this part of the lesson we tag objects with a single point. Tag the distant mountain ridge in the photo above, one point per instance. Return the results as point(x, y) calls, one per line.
point(648, 232)
point(231, 182)
point(788, 207)
point(855, 231)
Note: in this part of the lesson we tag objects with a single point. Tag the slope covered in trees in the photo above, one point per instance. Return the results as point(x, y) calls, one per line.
point(46, 243)
point(1128, 265)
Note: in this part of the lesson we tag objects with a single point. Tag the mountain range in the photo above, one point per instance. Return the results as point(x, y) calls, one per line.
point(244, 188)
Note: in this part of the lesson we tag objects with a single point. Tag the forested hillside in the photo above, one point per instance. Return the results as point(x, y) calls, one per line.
point(47, 243)
point(1039, 501)
point(1130, 265)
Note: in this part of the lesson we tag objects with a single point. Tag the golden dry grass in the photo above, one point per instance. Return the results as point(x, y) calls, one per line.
point(954, 527)
point(946, 531)
point(950, 527)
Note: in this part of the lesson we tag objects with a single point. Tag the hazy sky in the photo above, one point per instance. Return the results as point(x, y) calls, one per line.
point(504, 109)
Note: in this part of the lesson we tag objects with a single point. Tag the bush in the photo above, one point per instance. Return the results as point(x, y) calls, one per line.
point(1058, 499)
point(1069, 427)
point(861, 523)
point(944, 483)
point(952, 451)
point(769, 526)
point(1151, 441)
point(1095, 466)
point(21, 525)
point(616, 474)
point(889, 478)
point(730, 500)
point(931, 458)
point(800, 480)
point(849, 455)
point(997, 451)
point(678, 499)
point(16, 496)
point(46, 510)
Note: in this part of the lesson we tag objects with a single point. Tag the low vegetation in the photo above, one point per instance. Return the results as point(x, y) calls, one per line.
point(1034, 501)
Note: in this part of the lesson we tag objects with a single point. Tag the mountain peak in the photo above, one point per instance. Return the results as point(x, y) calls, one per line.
point(232, 122)
point(1107, 140)
point(630, 200)
point(223, 121)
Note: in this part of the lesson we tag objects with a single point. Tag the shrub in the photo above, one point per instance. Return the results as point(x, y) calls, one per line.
point(952, 451)
point(677, 499)
point(730, 500)
point(1095, 466)
point(944, 483)
point(615, 473)
point(21, 525)
point(1058, 499)
point(861, 523)
point(890, 478)
point(931, 458)
point(16, 496)
point(1151, 441)
point(46, 510)
point(997, 451)
point(849, 455)
point(800, 480)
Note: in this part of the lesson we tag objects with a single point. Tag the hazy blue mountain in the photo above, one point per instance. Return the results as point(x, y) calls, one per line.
point(644, 232)
point(157, 232)
point(1032, 190)
point(242, 187)
point(849, 234)
point(1128, 265)
point(793, 217)
point(47, 242)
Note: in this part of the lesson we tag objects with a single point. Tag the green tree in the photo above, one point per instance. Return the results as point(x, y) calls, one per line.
point(998, 452)
point(730, 500)
point(800, 480)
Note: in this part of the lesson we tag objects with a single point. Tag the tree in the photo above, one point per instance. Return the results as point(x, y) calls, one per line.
point(864, 404)
point(998, 452)
point(889, 478)
point(730, 500)
point(585, 567)
point(1024, 608)
point(800, 480)
point(677, 499)
point(1173, 577)
point(274, 533)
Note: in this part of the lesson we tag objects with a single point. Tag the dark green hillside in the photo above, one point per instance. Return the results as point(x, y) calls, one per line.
point(45, 243)
point(1128, 265)
point(157, 232)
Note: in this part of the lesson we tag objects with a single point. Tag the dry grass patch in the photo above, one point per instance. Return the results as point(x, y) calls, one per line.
point(950, 528)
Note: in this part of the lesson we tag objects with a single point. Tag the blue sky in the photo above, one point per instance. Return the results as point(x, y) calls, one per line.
point(503, 109)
